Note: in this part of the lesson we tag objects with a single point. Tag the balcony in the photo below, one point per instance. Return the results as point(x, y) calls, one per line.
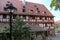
point(4, 20)
point(50, 21)
point(39, 20)
point(26, 20)
point(46, 27)
point(51, 27)
point(46, 21)
point(32, 20)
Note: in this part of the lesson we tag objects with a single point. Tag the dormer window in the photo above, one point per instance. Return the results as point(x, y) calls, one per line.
point(37, 9)
point(44, 13)
point(40, 18)
point(31, 11)
point(23, 6)
point(35, 6)
point(23, 10)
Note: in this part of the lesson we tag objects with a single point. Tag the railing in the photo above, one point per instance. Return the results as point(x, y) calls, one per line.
point(26, 20)
point(51, 27)
point(4, 20)
point(50, 21)
point(32, 20)
point(46, 27)
point(39, 20)
point(46, 21)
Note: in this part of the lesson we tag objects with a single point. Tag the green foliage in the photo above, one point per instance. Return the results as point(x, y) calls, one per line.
point(56, 25)
point(20, 29)
point(55, 4)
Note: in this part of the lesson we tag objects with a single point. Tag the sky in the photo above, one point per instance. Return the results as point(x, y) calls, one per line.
point(47, 5)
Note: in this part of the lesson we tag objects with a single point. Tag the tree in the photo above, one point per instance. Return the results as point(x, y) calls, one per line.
point(56, 25)
point(20, 29)
point(55, 4)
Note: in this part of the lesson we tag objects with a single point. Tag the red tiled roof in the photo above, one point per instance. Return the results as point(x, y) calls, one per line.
point(29, 6)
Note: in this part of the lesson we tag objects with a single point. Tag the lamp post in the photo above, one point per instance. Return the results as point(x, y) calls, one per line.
point(11, 9)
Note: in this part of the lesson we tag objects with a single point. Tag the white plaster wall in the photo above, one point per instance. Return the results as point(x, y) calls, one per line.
point(41, 25)
point(27, 17)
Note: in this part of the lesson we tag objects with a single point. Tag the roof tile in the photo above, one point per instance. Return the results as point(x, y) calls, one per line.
point(29, 6)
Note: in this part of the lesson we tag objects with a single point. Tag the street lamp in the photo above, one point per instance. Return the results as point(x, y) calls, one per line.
point(11, 9)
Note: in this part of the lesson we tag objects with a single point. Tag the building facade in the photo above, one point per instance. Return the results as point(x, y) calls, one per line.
point(32, 13)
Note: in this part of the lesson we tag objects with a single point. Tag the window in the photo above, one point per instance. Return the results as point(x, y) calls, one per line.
point(4, 16)
point(35, 6)
point(37, 9)
point(51, 24)
point(51, 18)
point(44, 13)
point(37, 18)
point(24, 17)
point(0, 16)
point(23, 10)
point(14, 16)
point(31, 11)
point(40, 18)
point(32, 17)
point(45, 18)
point(46, 25)
point(23, 6)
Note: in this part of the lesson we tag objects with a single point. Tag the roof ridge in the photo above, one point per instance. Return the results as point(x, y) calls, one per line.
point(34, 3)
